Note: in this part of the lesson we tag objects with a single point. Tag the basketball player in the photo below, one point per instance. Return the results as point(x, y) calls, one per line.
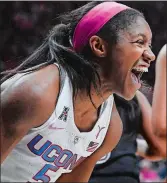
point(159, 96)
point(135, 117)
point(58, 114)
point(121, 164)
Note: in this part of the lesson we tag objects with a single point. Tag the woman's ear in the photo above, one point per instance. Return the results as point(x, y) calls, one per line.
point(98, 46)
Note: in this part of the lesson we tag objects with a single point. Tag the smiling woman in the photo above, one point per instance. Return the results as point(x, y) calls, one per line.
point(84, 60)
point(131, 56)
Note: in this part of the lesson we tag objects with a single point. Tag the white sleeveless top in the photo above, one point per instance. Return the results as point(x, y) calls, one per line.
point(57, 146)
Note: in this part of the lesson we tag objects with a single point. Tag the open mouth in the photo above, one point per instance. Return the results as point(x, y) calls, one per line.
point(137, 73)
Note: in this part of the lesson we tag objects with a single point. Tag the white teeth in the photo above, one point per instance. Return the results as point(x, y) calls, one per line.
point(141, 69)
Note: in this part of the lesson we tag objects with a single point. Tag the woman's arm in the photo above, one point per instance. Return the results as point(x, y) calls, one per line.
point(159, 96)
point(154, 148)
point(23, 106)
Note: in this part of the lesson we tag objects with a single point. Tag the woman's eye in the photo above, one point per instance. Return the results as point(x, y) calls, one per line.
point(141, 42)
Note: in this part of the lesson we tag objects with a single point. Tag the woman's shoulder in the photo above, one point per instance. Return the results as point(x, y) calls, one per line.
point(33, 93)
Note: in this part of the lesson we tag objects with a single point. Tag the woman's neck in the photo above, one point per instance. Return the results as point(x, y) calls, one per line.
point(93, 103)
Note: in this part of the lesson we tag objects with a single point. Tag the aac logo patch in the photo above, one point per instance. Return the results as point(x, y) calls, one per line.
point(64, 114)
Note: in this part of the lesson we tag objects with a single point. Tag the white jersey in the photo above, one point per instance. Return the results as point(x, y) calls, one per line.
point(57, 146)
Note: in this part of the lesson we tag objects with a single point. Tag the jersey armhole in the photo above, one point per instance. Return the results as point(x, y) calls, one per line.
point(62, 75)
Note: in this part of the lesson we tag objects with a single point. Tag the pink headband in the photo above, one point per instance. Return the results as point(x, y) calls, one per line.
point(93, 21)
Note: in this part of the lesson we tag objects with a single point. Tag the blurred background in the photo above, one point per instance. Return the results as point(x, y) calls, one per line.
point(24, 25)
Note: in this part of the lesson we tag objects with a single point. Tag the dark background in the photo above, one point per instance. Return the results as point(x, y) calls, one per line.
point(23, 25)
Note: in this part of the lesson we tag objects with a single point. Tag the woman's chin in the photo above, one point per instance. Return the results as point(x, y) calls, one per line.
point(128, 97)
point(129, 93)
point(130, 89)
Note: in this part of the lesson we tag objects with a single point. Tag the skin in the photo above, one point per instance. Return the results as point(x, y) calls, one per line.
point(114, 132)
point(131, 48)
point(156, 146)
point(159, 96)
point(35, 89)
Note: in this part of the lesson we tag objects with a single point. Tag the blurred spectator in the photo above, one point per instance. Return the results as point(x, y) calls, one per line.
point(163, 171)
point(147, 174)
point(25, 24)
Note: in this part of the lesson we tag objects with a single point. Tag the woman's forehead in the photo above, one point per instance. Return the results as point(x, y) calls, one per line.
point(140, 28)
